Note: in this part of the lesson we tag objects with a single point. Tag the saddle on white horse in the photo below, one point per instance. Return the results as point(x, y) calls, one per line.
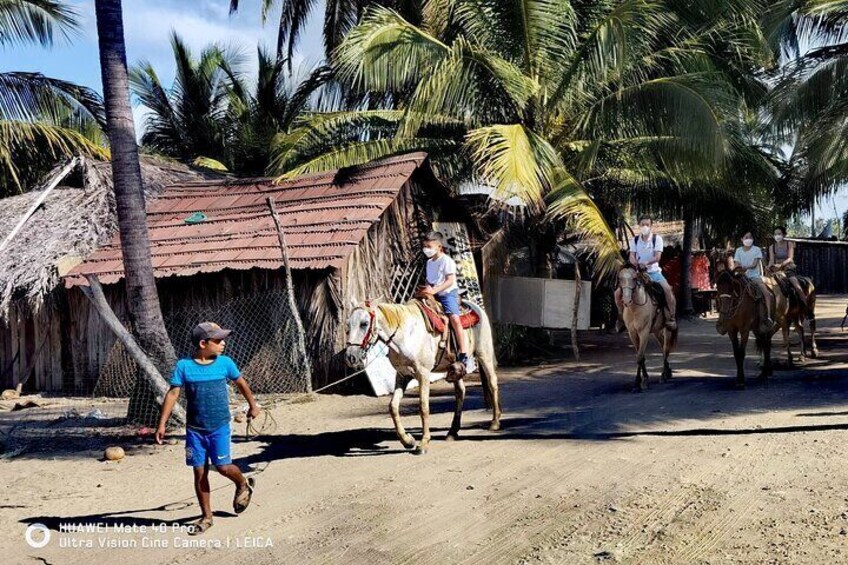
point(438, 324)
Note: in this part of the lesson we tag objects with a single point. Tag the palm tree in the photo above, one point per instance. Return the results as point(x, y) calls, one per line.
point(211, 115)
point(547, 101)
point(41, 118)
point(809, 108)
point(142, 300)
point(258, 113)
point(186, 121)
point(339, 18)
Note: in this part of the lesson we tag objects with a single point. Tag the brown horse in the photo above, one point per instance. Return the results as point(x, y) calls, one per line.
point(739, 314)
point(798, 313)
point(644, 315)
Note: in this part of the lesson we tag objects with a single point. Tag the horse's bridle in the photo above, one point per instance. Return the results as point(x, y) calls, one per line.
point(372, 336)
point(637, 282)
point(736, 299)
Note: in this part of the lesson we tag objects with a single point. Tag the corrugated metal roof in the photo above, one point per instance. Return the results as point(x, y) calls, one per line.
point(324, 216)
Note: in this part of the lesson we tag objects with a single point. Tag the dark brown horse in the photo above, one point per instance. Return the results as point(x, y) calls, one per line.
point(798, 313)
point(739, 314)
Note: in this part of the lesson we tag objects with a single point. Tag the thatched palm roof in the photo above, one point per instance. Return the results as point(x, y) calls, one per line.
point(74, 219)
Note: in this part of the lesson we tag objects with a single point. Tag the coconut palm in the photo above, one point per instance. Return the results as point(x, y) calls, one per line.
point(186, 121)
point(339, 18)
point(142, 301)
point(810, 101)
point(546, 101)
point(257, 113)
point(41, 118)
point(213, 115)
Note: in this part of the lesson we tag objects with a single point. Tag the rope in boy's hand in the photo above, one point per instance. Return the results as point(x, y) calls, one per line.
point(268, 425)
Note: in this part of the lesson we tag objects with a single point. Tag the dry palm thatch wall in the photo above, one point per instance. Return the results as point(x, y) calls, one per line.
point(40, 324)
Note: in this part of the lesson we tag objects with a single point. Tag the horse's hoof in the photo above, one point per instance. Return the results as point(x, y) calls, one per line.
point(495, 427)
point(420, 450)
point(638, 389)
point(412, 444)
point(739, 386)
point(452, 436)
point(814, 354)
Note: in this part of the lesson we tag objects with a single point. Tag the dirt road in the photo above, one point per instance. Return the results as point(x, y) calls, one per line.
point(584, 471)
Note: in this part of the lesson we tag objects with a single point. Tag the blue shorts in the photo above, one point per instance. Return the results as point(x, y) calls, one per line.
point(450, 302)
point(657, 277)
point(213, 447)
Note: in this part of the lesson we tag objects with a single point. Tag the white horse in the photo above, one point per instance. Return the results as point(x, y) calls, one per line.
point(413, 352)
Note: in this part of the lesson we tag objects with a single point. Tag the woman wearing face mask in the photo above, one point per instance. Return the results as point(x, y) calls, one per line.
point(749, 260)
point(782, 258)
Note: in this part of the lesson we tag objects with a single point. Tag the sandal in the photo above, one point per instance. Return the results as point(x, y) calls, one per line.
point(200, 526)
point(243, 495)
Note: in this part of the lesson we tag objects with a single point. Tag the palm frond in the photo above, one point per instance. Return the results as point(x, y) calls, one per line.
point(386, 53)
point(36, 21)
point(20, 139)
point(32, 96)
point(515, 161)
point(569, 201)
point(354, 154)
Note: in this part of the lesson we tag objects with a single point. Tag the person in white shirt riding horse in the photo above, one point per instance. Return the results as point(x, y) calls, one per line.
point(748, 259)
point(441, 283)
point(645, 253)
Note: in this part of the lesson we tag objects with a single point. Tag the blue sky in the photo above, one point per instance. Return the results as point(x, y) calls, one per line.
point(148, 25)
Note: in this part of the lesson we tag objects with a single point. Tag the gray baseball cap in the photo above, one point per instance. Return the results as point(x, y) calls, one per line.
point(208, 330)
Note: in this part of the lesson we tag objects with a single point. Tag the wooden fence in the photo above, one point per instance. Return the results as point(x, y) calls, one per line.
point(826, 262)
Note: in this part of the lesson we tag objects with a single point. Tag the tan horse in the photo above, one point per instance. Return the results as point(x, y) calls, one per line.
point(798, 313)
point(413, 352)
point(739, 314)
point(644, 317)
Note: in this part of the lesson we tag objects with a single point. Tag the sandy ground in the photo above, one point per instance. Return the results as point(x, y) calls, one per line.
point(584, 471)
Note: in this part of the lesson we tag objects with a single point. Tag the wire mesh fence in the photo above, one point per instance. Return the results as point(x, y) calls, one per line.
point(266, 344)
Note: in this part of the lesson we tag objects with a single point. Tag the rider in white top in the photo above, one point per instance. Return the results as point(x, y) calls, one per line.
point(645, 252)
point(748, 259)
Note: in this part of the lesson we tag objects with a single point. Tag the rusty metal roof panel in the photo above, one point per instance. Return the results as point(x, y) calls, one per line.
point(325, 216)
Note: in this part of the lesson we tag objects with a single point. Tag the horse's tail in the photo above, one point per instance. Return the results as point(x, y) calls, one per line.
point(485, 347)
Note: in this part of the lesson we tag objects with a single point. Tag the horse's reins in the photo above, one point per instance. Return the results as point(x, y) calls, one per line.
point(636, 284)
point(736, 301)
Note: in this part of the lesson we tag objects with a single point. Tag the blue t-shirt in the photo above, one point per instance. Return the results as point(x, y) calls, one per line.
point(207, 396)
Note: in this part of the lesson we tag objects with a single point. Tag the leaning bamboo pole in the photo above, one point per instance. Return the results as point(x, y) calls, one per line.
point(39, 201)
point(94, 292)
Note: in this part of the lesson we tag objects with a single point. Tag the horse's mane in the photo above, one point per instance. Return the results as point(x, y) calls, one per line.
point(395, 315)
point(724, 275)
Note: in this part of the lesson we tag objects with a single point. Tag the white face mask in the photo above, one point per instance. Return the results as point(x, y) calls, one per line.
point(747, 242)
point(645, 230)
point(778, 238)
point(429, 252)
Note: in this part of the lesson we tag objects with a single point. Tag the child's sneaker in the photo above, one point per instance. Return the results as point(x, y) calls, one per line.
point(470, 365)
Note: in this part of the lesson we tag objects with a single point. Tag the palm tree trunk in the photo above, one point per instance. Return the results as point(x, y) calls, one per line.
point(686, 306)
point(143, 307)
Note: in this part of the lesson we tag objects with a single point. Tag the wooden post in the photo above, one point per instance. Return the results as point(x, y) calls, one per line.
point(301, 333)
point(94, 292)
point(578, 283)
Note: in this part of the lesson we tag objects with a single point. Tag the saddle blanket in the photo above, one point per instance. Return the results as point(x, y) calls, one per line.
point(437, 321)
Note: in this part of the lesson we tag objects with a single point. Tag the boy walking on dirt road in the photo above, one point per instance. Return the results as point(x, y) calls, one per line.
point(205, 377)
